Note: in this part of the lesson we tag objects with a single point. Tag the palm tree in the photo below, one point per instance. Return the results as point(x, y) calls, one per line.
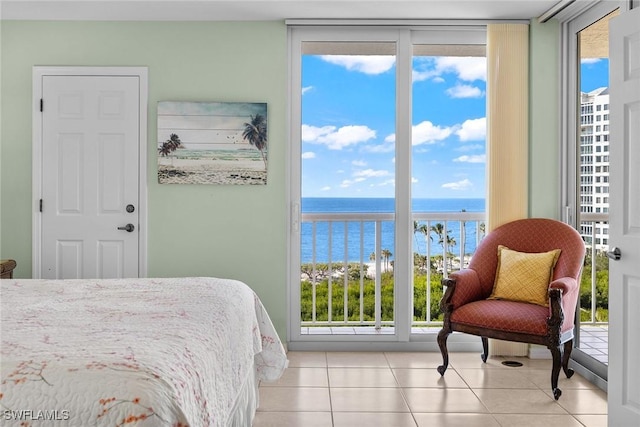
point(386, 254)
point(255, 131)
point(451, 242)
point(424, 229)
point(463, 232)
point(421, 228)
point(439, 230)
point(443, 240)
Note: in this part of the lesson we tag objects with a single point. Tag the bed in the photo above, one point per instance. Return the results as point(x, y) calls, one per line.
point(134, 352)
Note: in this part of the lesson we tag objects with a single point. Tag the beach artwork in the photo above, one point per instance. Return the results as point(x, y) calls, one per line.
point(212, 143)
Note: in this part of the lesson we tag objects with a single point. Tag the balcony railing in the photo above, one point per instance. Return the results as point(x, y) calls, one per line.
point(594, 302)
point(348, 263)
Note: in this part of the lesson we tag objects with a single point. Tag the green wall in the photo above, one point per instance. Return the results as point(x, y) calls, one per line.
point(194, 230)
point(544, 119)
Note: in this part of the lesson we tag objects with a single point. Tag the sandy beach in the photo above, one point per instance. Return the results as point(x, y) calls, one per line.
point(211, 171)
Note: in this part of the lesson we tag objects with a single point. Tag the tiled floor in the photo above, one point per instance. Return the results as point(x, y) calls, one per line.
point(372, 389)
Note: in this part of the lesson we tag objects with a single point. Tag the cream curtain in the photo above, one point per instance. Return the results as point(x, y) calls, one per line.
point(507, 137)
point(507, 123)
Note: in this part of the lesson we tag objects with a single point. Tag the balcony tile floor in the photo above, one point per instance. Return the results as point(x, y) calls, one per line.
point(594, 340)
point(398, 389)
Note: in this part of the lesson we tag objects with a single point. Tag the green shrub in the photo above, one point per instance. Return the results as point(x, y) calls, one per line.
point(368, 296)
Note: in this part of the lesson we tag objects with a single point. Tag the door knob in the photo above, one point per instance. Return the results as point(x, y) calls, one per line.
point(614, 254)
point(130, 208)
point(129, 228)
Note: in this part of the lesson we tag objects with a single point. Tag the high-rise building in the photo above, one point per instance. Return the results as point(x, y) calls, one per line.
point(594, 164)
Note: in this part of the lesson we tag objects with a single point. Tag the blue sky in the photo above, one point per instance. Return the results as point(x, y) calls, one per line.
point(594, 73)
point(348, 126)
point(348, 119)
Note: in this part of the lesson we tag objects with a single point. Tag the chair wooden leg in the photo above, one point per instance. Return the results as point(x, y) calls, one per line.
point(485, 349)
point(555, 370)
point(442, 343)
point(568, 347)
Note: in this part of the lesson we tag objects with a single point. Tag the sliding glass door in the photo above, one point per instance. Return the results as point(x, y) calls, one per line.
point(347, 239)
point(377, 115)
point(448, 158)
point(588, 46)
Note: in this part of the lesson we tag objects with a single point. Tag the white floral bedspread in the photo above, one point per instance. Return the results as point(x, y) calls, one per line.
point(132, 352)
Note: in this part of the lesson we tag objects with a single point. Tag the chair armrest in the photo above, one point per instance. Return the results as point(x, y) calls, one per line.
point(563, 299)
point(462, 287)
point(565, 284)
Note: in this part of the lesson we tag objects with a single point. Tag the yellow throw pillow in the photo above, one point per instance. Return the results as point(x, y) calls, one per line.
point(524, 277)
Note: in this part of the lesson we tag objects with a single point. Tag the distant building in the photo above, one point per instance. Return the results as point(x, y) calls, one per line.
point(594, 164)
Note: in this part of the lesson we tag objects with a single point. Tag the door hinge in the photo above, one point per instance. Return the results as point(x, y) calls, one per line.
point(41, 105)
point(40, 205)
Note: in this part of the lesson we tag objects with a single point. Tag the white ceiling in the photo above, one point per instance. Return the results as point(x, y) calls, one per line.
point(254, 10)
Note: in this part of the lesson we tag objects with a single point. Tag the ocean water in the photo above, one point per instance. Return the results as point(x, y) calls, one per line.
point(336, 247)
point(246, 152)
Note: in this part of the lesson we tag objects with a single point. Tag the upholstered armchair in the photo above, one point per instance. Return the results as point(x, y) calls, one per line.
point(521, 253)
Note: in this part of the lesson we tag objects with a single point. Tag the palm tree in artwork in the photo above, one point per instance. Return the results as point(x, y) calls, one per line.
point(255, 131)
point(170, 145)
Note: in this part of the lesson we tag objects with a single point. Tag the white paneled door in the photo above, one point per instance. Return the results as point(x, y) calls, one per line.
point(90, 176)
point(624, 281)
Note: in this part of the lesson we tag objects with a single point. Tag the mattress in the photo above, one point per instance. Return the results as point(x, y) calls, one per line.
point(135, 352)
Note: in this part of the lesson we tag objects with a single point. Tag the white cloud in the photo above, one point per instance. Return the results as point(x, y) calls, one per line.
point(363, 175)
point(464, 91)
point(370, 173)
point(425, 133)
point(414, 180)
point(477, 158)
point(386, 147)
point(428, 133)
point(308, 155)
point(349, 182)
point(419, 76)
point(337, 138)
point(359, 163)
point(312, 133)
point(368, 64)
point(306, 89)
point(460, 185)
point(470, 147)
point(326, 188)
point(473, 130)
point(466, 68)
point(589, 60)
